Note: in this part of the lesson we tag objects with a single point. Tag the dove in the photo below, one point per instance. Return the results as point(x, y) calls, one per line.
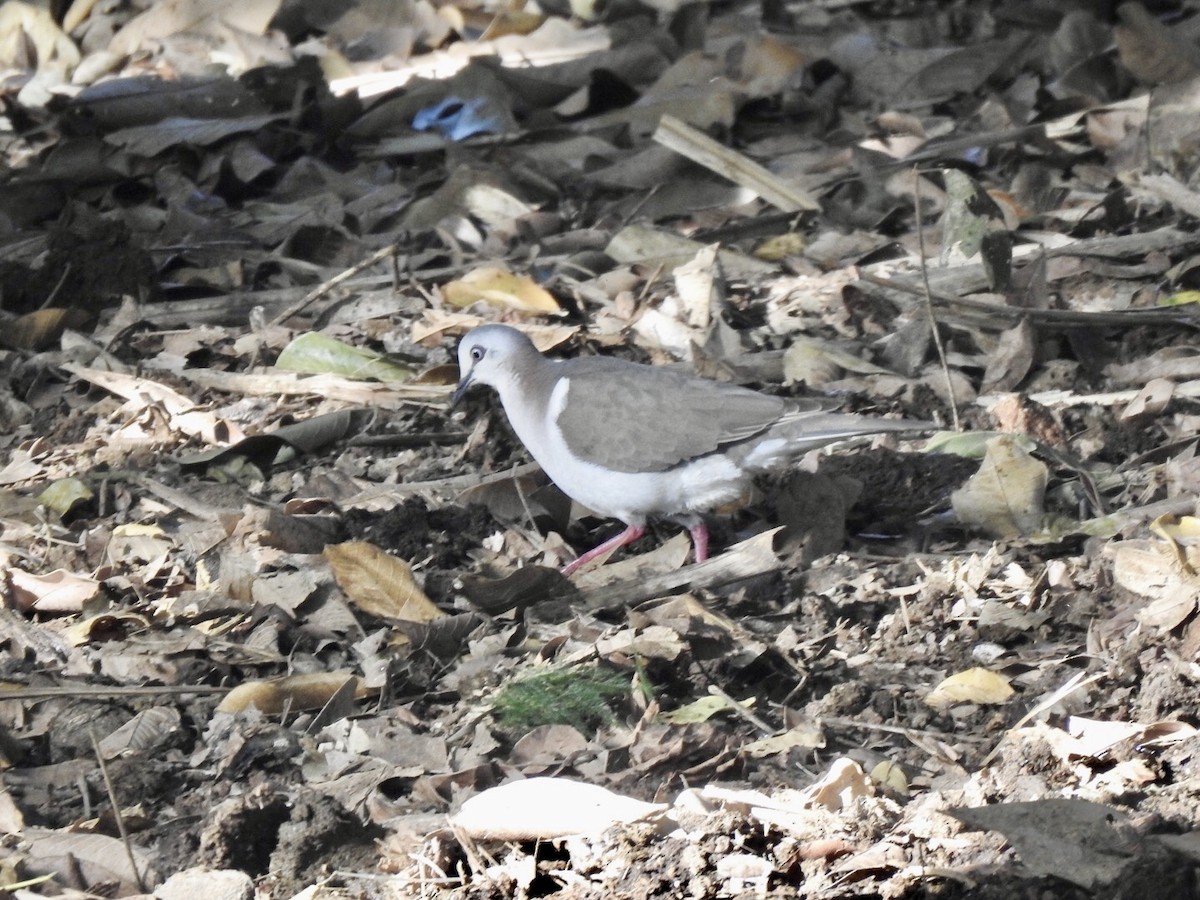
point(632, 441)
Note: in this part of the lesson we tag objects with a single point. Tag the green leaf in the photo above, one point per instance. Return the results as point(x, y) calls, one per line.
point(64, 494)
point(318, 354)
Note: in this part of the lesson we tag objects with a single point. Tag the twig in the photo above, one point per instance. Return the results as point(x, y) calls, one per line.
point(835, 722)
point(1067, 399)
point(928, 296)
point(1076, 683)
point(453, 483)
point(116, 808)
point(422, 439)
point(998, 316)
point(86, 690)
point(322, 289)
point(752, 557)
point(694, 144)
point(741, 709)
point(58, 287)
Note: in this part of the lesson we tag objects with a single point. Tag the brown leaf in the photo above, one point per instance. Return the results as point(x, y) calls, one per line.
point(294, 692)
point(1011, 361)
point(1151, 51)
point(1004, 498)
point(59, 591)
point(379, 584)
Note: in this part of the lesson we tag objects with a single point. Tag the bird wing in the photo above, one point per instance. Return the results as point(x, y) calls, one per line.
point(632, 418)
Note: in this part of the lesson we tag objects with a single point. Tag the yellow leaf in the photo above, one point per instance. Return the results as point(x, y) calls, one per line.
point(1004, 498)
point(780, 247)
point(891, 776)
point(972, 686)
point(1181, 298)
point(501, 288)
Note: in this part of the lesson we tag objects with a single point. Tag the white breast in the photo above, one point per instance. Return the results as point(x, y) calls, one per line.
point(708, 482)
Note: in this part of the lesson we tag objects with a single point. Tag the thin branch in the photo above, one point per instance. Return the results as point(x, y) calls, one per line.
point(116, 808)
point(928, 297)
point(322, 289)
point(87, 690)
point(999, 316)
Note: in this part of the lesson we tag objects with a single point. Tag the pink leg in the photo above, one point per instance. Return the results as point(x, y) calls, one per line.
point(628, 536)
point(699, 533)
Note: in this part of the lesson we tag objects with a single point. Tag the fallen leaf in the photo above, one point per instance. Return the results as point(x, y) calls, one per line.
point(378, 583)
point(59, 591)
point(1004, 498)
point(313, 353)
point(292, 692)
point(547, 809)
point(502, 289)
point(972, 686)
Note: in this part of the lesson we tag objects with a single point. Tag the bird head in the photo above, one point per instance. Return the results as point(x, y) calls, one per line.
point(492, 355)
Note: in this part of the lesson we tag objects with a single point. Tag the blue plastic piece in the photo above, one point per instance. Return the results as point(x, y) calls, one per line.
point(458, 119)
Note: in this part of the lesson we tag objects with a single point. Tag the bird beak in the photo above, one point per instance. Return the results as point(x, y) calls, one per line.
point(463, 383)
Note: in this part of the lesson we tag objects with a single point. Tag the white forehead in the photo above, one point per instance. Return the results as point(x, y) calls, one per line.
point(499, 341)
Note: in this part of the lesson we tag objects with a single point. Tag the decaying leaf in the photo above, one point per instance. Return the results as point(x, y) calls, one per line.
point(1004, 498)
point(63, 495)
point(378, 583)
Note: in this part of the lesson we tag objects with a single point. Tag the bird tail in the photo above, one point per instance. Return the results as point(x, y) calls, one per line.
point(795, 435)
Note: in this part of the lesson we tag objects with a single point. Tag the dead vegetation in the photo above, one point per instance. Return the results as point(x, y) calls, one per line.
point(277, 622)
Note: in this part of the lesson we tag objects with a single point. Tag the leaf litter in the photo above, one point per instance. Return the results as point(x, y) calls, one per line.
point(278, 622)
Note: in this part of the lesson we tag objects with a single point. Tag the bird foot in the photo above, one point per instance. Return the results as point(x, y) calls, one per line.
point(628, 536)
point(699, 533)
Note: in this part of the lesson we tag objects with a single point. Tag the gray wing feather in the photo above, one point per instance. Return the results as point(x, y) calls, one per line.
point(640, 419)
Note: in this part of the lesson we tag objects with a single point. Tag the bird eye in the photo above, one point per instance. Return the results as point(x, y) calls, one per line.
point(476, 354)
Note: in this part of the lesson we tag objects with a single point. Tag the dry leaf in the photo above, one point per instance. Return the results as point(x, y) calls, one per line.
point(59, 591)
point(547, 809)
point(840, 787)
point(1004, 498)
point(891, 776)
point(699, 710)
point(378, 583)
point(502, 289)
point(972, 686)
point(804, 737)
point(1153, 570)
point(294, 692)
